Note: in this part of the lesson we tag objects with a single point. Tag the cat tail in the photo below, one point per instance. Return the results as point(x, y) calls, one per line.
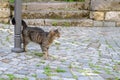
point(23, 23)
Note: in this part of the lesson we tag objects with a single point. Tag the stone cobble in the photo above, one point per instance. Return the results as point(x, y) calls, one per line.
point(81, 53)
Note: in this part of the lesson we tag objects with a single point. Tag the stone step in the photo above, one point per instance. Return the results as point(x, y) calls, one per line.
point(60, 22)
point(56, 14)
point(42, 0)
point(36, 6)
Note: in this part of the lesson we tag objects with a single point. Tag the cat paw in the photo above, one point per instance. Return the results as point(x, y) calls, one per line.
point(45, 57)
point(24, 50)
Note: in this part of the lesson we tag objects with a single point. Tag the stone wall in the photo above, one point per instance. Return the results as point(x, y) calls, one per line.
point(101, 12)
point(105, 12)
point(4, 11)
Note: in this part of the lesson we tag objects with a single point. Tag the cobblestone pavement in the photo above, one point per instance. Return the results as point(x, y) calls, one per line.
point(82, 53)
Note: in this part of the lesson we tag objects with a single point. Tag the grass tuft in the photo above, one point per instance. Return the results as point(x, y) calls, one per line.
point(59, 70)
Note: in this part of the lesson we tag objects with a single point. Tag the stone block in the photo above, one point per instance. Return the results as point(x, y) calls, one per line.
point(4, 20)
point(4, 12)
point(87, 4)
point(118, 24)
point(4, 5)
point(57, 6)
point(4, 1)
point(42, 76)
point(85, 23)
point(97, 15)
point(35, 22)
point(109, 24)
point(98, 23)
point(63, 22)
point(105, 4)
point(61, 14)
point(96, 77)
point(83, 78)
point(113, 16)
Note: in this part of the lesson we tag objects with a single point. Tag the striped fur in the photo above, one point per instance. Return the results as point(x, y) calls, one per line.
point(37, 35)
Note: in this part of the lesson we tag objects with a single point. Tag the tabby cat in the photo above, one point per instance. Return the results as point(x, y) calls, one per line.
point(38, 35)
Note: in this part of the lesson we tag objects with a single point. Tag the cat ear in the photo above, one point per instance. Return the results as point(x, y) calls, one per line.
point(58, 30)
point(51, 32)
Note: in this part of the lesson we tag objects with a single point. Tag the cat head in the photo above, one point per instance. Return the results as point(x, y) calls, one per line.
point(55, 33)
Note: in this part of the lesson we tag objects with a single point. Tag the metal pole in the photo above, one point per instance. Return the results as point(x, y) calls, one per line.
point(17, 31)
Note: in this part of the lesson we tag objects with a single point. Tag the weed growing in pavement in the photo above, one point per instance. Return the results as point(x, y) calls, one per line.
point(47, 70)
point(75, 0)
point(37, 65)
point(107, 70)
point(109, 46)
point(97, 72)
point(25, 78)
point(75, 77)
point(93, 65)
point(34, 75)
point(118, 63)
point(54, 23)
point(43, 62)
point(11, 76)
point(2, 79)
point(38, 54)
point(66, 24)
point(59, 70)
point(7, 38)
point(117, 78)
point(99, 53)
point(11, 1)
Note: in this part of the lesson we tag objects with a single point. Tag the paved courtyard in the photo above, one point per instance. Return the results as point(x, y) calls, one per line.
point(82, 53)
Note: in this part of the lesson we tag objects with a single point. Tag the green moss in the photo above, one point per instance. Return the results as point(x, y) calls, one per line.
point(34, 75)
point(43, 62)
point(59, 70)
point(25, 78)
point(54, 23)
point(70, 66)
point(107, 70)
point(47, 70)
point(97, 72)
point(57, 43)
point(100, 53)
point(38, 54)
point(75, 0)
point(2, 79)
point(117, 78)
point(7, 39)
point(109, 46)
point(37, 65)
point(118, 63)
point(66, 24)
point(63, 60)
point(11, 76)
point(75, 77)
point(93, 65)
point(11, 1)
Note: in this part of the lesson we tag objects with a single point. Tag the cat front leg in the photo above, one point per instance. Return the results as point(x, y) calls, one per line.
point(45, 51)
point(25, 42)
point(46, 55)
